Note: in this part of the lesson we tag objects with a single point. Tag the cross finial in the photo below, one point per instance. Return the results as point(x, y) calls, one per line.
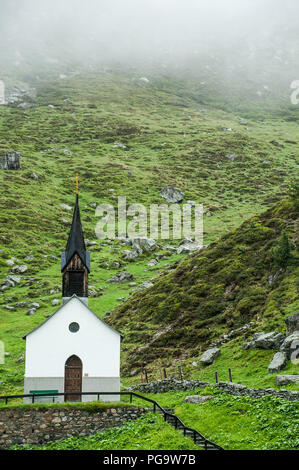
point(77, 179)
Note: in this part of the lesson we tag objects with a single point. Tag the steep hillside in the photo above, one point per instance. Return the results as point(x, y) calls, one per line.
point(125, 137)
point(236, 280)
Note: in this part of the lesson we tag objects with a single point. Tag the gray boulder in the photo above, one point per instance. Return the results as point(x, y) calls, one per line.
point(286, 379)
point(188, 245)
point(152, 262)
point(55, 302)
point(148, 244)
point(290, 344)
point(262, 340)
point(10, 161)
point(65, 207)
point(172, 194)
point(210, 355)
point(120, 278)
point(144, 285)
point(10, 281)
point(197, 399)
point(20, 269)
point(278, 362)
point(292, 323)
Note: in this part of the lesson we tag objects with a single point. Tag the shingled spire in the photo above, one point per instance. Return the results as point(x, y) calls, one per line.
point(75, 260)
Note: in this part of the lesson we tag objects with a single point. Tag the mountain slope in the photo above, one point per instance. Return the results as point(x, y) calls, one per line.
point(233, 281)
point(166, 137)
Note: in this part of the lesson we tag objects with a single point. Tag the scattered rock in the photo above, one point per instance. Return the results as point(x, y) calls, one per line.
point(209, 356)
point(197, 399)
point(291, 344)
point(20, 269)
point(21, 359)
point(152, 262)
point(55, 302)
point(10, 161)
point(272, 340)
point(144, 285)
point(120, 278)
point(172, 194)
point(144, 79)
point(66, 207)
point(286, 379)
point(35, 305)
point(277, 144)
point(231, 156)
point(188, 245)
point(278, 362)
point(10, 262)
point(31, 312)
point(226, 129)
point(90, 243)
point(115, 264)
point(292, 323)
point(33, 176)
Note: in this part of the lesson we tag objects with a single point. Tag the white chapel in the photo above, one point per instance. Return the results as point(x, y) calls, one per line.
point(73, 351)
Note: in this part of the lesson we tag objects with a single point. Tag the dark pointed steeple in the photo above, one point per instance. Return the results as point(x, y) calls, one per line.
point(75, 260)
point(76, 243)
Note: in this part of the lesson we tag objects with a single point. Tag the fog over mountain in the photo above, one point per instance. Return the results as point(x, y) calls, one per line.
point(253, 38)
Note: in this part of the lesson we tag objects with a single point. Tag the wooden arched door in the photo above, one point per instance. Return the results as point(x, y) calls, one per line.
point(73, 378)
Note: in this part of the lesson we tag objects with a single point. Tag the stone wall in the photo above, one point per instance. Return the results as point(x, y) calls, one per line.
point(238, 389)
point(35, 425)
point(166, 385)
point(171, 384)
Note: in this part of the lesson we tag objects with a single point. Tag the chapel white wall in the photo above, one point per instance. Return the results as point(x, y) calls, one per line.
point(97, 345)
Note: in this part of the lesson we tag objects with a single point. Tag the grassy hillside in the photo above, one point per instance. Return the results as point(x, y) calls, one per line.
point(170, 133)
point(218, 289)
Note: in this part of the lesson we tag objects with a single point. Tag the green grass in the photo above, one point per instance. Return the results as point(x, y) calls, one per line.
point(165, 144)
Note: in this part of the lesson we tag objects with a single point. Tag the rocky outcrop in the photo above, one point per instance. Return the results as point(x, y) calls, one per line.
point(120, 278)
point(272, 340)
point(10, 161)
point(209, 356)
point(278, 362)
point(188, 245)
point(290, 345)
point(286, 379)
point(172, 194)
point(292, 323)
point(10, 281)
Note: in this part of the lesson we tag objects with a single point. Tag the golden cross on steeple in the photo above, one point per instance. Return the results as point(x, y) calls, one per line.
point(77, 179)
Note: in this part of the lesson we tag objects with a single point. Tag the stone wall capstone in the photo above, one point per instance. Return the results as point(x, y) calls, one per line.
point(240, 390)
point(167, 385)
point(36, 426)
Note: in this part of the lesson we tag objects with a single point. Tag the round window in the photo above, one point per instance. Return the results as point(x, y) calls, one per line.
point(74, 327)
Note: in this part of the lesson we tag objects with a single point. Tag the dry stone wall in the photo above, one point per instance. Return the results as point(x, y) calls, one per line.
point(36, 426)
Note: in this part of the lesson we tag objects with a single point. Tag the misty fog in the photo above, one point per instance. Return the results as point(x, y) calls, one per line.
point(253, 38)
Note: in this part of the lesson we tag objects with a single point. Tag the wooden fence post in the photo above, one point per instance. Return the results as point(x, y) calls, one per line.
point(164, 373)
point(180, 373)
point(216, 377)
point(230, 375)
